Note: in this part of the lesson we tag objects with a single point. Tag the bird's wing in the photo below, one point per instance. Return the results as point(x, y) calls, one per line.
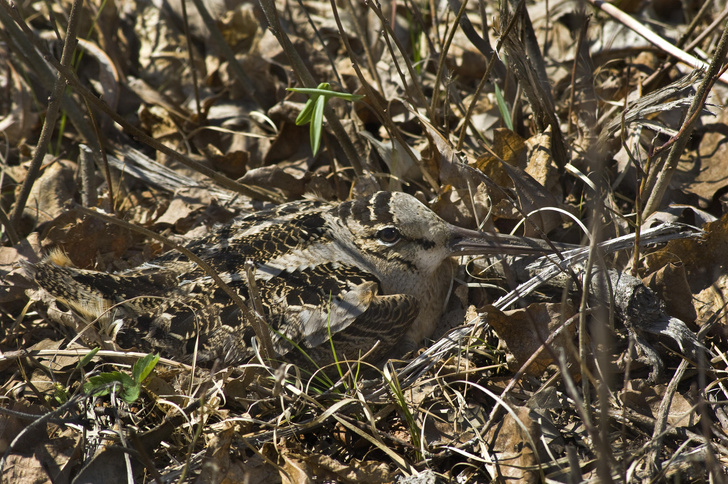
point(256, 236)
point(383, 324)
point(307, 307)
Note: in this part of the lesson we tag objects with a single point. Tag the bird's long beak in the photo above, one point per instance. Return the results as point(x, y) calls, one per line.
point(472, 242)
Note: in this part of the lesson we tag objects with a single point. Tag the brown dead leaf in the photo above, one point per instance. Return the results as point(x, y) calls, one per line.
point(295, 470)
point(712, 302)
point(509, 147)
point(110, 465)
point(707, 173)
point(356, 471)
point(12, 281)
point(216, 466)
point(37, 457)
point(56, 363)
point(465, 208)
point(533, 197)
point(705, 261)
point(646, 399)
point(160, 125)
point(671, 285)
point(158, 35)
point(513, 442)
point(85, 239)
point(291, 143)
point(17, 121)
point(302, 466)
point(232, 163)
point(254, 469)
point(239, 26)
point(510, 168)
point(525, 330)
point(541, 164)
point(289, 185)
point(51, 191)
point(179, 210)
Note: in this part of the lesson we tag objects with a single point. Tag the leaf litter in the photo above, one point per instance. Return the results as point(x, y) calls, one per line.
point(609, 367)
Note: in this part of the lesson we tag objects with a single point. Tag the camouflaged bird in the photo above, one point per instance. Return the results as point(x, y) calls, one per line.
point(363, 272)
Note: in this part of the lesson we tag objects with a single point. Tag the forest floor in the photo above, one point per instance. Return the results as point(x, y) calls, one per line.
point(547, 118)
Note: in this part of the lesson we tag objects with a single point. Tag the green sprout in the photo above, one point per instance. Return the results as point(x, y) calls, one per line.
point(313, 111)
point(503, 108)
point(131, 386)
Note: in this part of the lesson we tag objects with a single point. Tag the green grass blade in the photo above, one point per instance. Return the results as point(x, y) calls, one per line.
point(503, 108)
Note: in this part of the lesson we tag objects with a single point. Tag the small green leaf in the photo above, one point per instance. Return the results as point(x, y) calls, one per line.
point(318, 91)
point(143, 367)
point(313, 111)
point(317, 123)
point(131, 394)
point(128, 387)
point(101, 384)
point(86, 359)
point(304, 116)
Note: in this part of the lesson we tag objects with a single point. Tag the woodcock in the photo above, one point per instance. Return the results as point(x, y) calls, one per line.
point(358, 272)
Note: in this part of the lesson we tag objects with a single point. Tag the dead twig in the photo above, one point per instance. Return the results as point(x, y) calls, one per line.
point(652, 37)
point(49, 124)
point(663, 175)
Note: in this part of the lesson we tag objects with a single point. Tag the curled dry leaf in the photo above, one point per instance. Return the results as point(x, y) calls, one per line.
point(514, 440)
point(526, 330)
point(527, 176)
point(541, 165)
point(50, 453)
point(704, 176)
point(88, 242)
point(51, 191)
point(671, 284)
point(705, 261)
point(302, 467)
point(18, 118)
point(646, 399)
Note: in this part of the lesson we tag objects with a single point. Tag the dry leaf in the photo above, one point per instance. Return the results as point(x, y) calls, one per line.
point(512, 443)
point(646, 399)
point(671, 285)
point(704, 259)
point(705, 174)
point(525, 330)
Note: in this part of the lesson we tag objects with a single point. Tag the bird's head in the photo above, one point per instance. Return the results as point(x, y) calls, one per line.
point(395, 232)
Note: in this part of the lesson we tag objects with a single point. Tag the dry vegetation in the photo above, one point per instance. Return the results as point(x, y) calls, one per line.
point(175, 120)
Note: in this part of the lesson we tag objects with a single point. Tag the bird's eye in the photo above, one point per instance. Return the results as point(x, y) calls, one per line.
point(389, 235)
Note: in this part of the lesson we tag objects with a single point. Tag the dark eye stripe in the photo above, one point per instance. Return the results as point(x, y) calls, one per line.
point(392, 257)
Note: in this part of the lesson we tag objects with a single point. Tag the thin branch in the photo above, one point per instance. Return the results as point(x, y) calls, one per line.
point(681, 139)
point(652, 37)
